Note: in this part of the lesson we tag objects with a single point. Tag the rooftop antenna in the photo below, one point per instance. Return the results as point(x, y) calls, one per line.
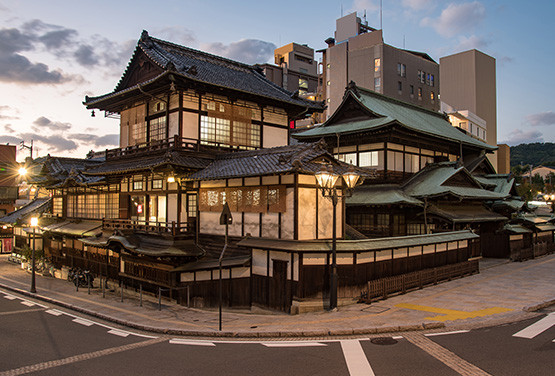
point(341, 9)
point(381, 26)
point(404, 41)
point(30, 148)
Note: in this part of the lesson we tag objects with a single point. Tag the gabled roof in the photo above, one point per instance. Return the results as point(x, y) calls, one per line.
point(63, 171)
point(381, 194)
point(37, 206)
point(447, 178)
point(383, 111)
point(500, 183)
point(302, 158)
point(197, 66)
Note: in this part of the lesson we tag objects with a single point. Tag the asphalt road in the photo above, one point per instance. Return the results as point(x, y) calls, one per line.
point(43, 340)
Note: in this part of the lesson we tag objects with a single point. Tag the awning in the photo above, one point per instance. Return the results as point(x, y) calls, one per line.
point(361, 245)
point(147, 244)
point(214, 264)
point(75, 228)
point(465, 213)
point(516, 229)
point(545, 227)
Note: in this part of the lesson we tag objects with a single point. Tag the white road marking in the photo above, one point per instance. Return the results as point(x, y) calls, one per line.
point(179, 341)
point(83, 322)
point(54, 312)
point(397, 337)
point(27, 303)
point(118, 333)
point(537, 328)
point(292, 344)
point(9, 297)
point(446, 333)
point(356, 360)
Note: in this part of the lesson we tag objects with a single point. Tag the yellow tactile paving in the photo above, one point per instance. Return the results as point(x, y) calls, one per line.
point(451, 314)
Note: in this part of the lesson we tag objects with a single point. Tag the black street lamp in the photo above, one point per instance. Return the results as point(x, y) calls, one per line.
point(326, 180)
point(34, 224)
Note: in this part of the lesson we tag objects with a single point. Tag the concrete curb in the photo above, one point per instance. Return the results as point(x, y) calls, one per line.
point(232, 334)
point(537, 307)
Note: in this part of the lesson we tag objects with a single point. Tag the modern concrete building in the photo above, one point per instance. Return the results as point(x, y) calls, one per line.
point(468, 82)
point(358, 53)
point(467, 121)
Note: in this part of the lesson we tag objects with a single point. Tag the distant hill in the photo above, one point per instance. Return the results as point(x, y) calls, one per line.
point(535, 154)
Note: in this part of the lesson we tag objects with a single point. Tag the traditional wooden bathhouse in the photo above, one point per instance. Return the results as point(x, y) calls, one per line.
point(428, 169)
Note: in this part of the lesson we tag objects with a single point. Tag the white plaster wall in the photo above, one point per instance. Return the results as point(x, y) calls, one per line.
point(259, 262)
point(270, 180)
point(400, 253)
point(212, 184)
point(235, 182)
point(190, 125)
point(273, 136)
point(365, 257)
point(183, 208)
point(452, 245)
point(288, 218)
point(204, 275)
point(210, 223)
point(429, 248)
point(307, 214)
point(344, 259)
point(252, 181)
point(174, 124)
point(282, 256)
point(235, 228)
point(325, 218)
point(314, 259)
point(383, 255)
point(252, 224)
point(270, 225)
point(172, 207)
point(415, 251)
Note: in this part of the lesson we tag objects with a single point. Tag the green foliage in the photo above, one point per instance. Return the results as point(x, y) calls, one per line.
point(524, 191)
point(536, 154)
point(27, 253)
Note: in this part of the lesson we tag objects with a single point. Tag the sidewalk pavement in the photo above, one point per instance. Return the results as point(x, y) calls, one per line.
point(502, 292)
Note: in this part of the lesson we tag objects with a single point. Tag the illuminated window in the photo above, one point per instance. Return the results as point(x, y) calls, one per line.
point(419, 93)
point(377, 84)
point(368, 159)
point(138, 133)
point(328, 66)
point(157, 184)
point(137, 185)
point(137, 207)
point(348, 158)
point(432, 80)
point(432, 96)
point(303, 84)
point(191, 206)
point(328, 83)
point(377, 64)
point(157, 107)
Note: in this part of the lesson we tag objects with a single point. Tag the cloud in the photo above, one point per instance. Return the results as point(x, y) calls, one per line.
point(5, 113)
point(177, 34)
point(10, 140)
point(249, 51)
point(471, 42)
point(519, 136)
point(55, 143)
point(418, 4)
point(43, 122)
point(364, 5)
point(542, 118)
point(457, 18)
point(97, 141)
point(8, 128)
point(85, 55)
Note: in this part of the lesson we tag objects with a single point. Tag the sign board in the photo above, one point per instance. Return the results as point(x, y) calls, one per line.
point(225, 217)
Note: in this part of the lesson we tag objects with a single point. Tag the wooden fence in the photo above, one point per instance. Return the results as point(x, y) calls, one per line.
point(381, 288)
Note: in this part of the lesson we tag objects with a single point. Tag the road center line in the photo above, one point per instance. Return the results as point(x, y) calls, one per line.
point(356, 359)
point(446, 333)
point(179, 341)
point(537, 328)
point(445, 356)
point(79, 358)
point(292, 344)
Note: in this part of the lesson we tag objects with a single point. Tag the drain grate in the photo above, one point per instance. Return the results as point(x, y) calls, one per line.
point(383, 341)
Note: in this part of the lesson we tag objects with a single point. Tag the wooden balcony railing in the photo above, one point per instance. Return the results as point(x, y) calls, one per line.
point(173, 228)
point(172, 143)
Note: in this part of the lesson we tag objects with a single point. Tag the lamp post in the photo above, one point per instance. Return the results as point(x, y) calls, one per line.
point(326, 180)
point(34, 224)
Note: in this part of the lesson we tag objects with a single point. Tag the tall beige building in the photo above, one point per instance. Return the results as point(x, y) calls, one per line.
point(468, 82)
point(358, 53)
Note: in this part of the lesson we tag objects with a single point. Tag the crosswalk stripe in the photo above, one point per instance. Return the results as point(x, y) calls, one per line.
point(356, 360)
point(54, 312)
point(119, 333)
point(293, 344)
point(27, 303)
point(537, 328)
point(83, 322)
point(9, 297)
point(179, 341)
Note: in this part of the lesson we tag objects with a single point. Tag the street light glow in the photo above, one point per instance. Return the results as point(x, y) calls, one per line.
point(22, 171)
point(34, 221)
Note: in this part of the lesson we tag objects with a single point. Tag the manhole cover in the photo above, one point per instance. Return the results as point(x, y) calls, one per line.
point(383, 341)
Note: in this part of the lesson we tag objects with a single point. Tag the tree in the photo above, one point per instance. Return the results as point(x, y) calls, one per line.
point(537, 183)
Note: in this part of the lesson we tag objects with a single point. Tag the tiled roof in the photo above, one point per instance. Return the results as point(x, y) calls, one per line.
point(388, 111)
point(432, 181)
point(61, 171)
point(500, 183)
point(37, 206)
point(125, 165)
point(303, 158)
point(381, 194)
point(209, 69)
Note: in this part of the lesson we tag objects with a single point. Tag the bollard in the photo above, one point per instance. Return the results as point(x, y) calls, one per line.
point(159, 298)
point(141, 294)
point(121, 289)
point(103, 288)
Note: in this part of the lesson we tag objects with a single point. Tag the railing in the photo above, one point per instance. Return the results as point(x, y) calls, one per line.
point(173, 228)
point(381, 288)
point(172, 143)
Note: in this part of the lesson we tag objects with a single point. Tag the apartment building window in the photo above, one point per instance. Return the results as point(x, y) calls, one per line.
point(421, 77)
point(303, 84)
point(377, 64)
point(412, 90)
point(401, 70)
point(432, 96)
point(303, 70)
point(377, 84)
point(399, 86)
point(428, 79)
point(432, 80)
point(420, 93)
